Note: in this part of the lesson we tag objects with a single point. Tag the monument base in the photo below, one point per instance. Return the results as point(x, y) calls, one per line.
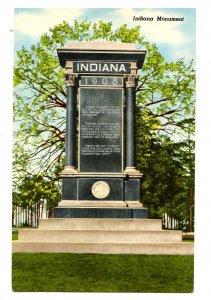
point(102, 235)
point(100, 195)
point(85, 203)
point(100, 212)
point(100, 186)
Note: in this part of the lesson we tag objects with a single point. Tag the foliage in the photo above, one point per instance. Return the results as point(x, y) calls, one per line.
point(165, 90)
point(168, 171)
point(42, 272)
point(34, 189)
point(165, 114)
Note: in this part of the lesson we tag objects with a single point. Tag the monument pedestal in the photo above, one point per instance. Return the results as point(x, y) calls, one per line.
point(100, 195)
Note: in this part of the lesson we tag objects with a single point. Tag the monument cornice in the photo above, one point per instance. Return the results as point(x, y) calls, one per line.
point(101, 50)
point(100, 175)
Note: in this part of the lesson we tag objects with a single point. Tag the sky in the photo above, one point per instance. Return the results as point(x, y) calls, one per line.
point(174, 39)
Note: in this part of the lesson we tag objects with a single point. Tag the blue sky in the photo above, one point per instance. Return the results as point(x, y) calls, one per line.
point(174, 39)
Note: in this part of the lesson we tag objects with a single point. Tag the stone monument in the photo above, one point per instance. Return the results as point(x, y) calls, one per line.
point(100, 178)
point(100, 211)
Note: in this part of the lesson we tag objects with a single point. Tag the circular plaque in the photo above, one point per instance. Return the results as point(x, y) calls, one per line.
point(100, 189)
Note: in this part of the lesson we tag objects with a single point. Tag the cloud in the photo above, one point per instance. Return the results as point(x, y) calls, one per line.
point(173, 38)
point(157, 31)
point(186, 52)
point(35, 24)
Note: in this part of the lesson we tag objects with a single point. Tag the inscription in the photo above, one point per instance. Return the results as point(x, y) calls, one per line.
point(100, 67)
point(100, 130)
point(100, 149)
point(94, 110)
point(101, 81)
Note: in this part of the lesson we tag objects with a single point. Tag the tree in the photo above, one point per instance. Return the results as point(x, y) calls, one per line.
point(164, 93)
point(35, 190)
point(165, 110)
point(168, 172)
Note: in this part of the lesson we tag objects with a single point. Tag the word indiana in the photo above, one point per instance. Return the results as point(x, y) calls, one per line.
point(98, 67)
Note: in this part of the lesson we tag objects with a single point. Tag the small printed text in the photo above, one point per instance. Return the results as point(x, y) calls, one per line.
point(158, 18)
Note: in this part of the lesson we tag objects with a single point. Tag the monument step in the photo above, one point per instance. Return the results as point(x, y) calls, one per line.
point(100, 236)
point(100, 223)
point(181, 248)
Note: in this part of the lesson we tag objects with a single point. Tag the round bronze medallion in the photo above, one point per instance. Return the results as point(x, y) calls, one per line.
point(100, 189)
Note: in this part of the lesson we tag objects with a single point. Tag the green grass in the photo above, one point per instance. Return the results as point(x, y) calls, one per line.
point(14, 235)
point(56, 272)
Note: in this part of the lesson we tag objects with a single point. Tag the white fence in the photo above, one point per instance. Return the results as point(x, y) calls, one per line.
point(29, 216)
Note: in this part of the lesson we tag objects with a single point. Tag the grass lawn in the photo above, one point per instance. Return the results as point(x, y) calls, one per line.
point(57, 272)
point(14, 235)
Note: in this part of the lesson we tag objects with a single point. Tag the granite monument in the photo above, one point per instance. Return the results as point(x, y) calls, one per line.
point(100, 178)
